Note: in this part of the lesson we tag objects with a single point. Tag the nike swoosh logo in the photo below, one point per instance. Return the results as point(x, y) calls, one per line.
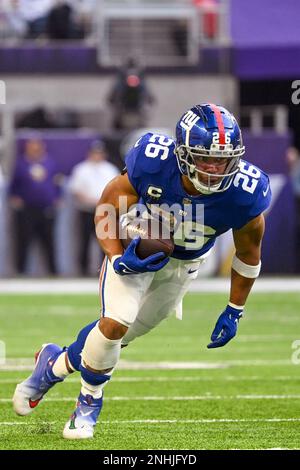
point(34, 403)
point(87, 413)
point(127, 270)
point(190, 271)
point(266, 191)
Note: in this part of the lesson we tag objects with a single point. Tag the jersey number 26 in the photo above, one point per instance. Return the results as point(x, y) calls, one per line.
point(158, 147)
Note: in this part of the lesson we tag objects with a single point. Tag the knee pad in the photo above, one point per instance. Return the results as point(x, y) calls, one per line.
point(99, 352)
point(93, 378)
point(75, 349)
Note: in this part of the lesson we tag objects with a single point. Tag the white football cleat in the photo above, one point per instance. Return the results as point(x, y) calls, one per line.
point(30, 392)
point(82, 423)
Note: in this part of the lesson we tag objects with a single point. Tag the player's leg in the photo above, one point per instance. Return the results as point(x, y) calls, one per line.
point(54, 364)
point(163, 297)
point(24, 234)
point(94, 353)
point(45, 232)
point(120, 298)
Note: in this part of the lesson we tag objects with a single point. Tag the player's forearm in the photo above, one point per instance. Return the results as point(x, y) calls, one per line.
point(246, 261)
point(116, 199)
point(245, 269)
point(240, 288)
point(107, 236)
point(111, 248)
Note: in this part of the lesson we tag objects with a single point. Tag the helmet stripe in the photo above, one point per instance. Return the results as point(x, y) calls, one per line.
point(220, 123)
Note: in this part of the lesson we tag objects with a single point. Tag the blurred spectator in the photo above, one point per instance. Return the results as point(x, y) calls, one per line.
point(56, 19)
point(37, 118)
point(87, 183)
point(41, 118)
point(129, 97)
point(34, 195)
point(61, 23)
point(293, 159)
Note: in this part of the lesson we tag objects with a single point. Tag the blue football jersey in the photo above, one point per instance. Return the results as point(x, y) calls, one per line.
point(197, 220)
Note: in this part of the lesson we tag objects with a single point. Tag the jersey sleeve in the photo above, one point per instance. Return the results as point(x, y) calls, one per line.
point(133, 161)
point(147, 159)
point(257, 204)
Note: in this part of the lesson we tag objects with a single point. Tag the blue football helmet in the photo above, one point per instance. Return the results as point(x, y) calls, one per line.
point(209, 147)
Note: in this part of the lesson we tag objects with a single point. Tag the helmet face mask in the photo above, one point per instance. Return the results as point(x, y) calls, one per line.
point(210, 166)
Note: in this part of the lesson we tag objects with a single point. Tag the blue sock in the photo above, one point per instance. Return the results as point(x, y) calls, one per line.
point(74, 350)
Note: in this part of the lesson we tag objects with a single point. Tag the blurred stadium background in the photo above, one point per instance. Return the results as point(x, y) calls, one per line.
point(86, 74)
point(63, 67)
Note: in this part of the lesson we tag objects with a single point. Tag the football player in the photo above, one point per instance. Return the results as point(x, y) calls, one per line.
point(202, 167)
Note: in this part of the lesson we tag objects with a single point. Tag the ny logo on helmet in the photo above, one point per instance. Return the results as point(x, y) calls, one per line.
point(188, 120)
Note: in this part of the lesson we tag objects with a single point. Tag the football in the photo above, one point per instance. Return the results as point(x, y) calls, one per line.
point(155, 236)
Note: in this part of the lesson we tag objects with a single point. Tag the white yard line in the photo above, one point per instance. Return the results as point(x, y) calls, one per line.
point(133, 379)
point(160, 421)
point(176, 398)
point(26, 364)
point(87, 286)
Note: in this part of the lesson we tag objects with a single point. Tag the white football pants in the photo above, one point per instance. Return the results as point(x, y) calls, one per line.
point(142, 301)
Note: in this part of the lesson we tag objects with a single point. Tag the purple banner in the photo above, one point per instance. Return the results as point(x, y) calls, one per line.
point(265, 38)
point(267, 22)
point(81, 59)
point(50, 58)
point(266, 62)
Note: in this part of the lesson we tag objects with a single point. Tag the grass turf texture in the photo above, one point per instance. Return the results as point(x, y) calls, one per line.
point(256, 364)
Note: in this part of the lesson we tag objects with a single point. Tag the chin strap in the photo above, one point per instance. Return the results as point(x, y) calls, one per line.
point(203, 188)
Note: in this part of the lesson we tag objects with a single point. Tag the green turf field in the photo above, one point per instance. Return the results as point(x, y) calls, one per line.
point(249, 400)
